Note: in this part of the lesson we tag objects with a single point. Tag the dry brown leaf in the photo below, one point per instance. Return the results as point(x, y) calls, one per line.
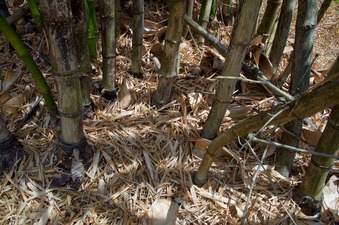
point(266, 66)
point(156, 49)
point(163, 212)
point(255, 43)
point(288, 49)
point(310, 136)
point(10, 78)
point(331, 197)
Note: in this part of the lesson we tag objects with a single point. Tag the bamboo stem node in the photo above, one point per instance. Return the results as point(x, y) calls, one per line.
point(68, 148)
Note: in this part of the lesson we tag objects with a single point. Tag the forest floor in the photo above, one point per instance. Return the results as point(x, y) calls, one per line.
point(142, 153)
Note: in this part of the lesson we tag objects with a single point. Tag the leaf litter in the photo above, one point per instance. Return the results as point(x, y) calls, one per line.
point(143, 155)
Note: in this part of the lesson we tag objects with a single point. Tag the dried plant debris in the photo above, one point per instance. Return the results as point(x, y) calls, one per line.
point(143, 155)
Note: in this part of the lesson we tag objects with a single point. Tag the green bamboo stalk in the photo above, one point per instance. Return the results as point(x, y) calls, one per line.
point(287, 71)
point(281, 35)
point(189, 13)
point(81, 41)
point(240, 41)
point(271, 14)
point(301, 69)
point(213, 9)
point(107, 14)
point(93, 33)
point(23, 53)
point(118, 13)
point(137, 39)
point(305, 105)
point(312, 185)
point(35, 12)
point(204, 17)
point(59, 29)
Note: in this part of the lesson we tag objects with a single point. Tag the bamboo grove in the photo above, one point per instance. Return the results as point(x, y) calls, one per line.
point(73, 29)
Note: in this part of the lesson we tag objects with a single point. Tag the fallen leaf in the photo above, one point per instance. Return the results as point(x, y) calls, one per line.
point(163, 212)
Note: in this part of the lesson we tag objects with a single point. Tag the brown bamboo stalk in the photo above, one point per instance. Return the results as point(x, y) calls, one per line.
point(81, 41)
point(64, 61)
point(169, 59)
point(237, 50)
point(304, 105)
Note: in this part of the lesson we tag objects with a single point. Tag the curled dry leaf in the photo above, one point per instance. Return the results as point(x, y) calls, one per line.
point(10, 78)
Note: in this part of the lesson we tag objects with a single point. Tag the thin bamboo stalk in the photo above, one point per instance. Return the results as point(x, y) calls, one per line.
point(23, 53)
point(137, 39)
point(271, 14)
point(204, 17)
point(280, 38)
point(35, 12)
point(282, 78)
point(92, 28)
point(108, 42)
point(189, 13)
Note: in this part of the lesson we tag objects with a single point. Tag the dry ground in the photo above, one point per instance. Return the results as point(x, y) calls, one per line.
point(143, 153)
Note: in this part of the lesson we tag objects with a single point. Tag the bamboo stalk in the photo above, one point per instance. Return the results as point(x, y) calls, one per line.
point(204, 17)
point(170, 56)
point(35, 12)
point(64, 61)
point(189, 13)
point(282, 78)
point(81, 41)
point(305, 104)
point(301, 68)
point(312, 185)
point(23, 53)
point(271, 14)
point(137, 39)
point(19, 13)
point(280, 38)
point(92, 28)
point(108, 42)
point(240, 41)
